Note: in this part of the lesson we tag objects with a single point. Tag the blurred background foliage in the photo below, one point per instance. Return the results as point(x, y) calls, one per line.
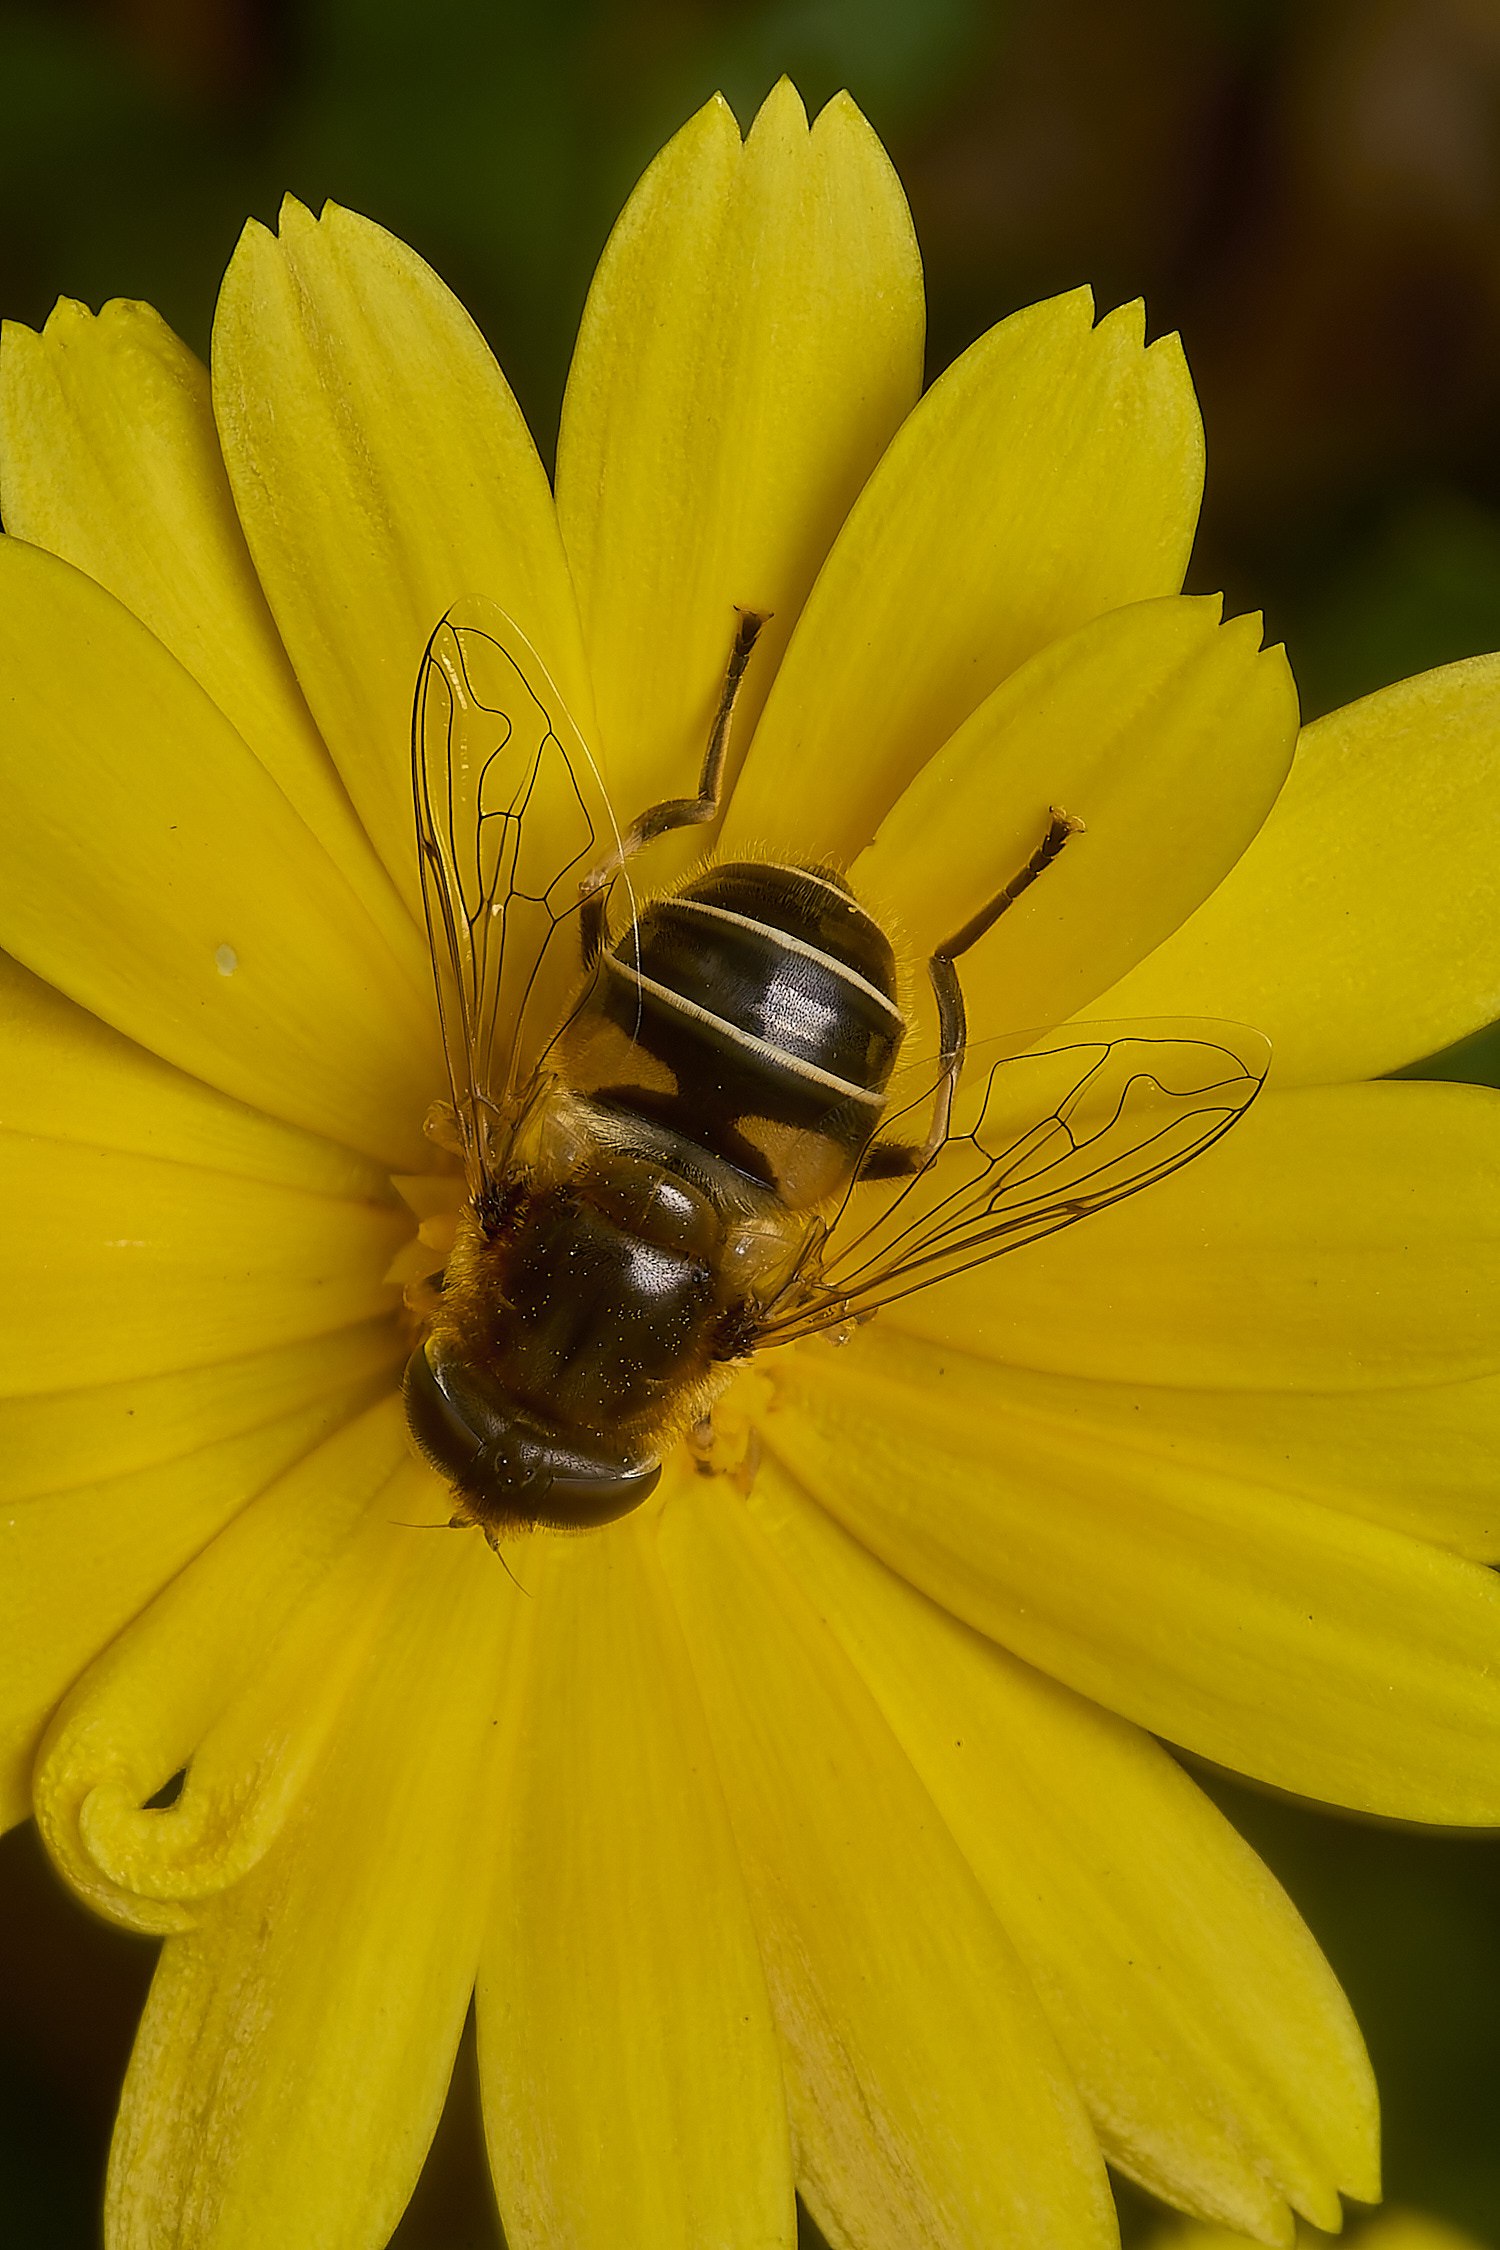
point(1308, 189)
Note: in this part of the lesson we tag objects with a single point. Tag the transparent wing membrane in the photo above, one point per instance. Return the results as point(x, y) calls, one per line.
point(1046, 1130)
point(511, 814)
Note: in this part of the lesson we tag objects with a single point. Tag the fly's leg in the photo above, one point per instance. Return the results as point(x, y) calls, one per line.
point(886, 1160)
point(672, 812)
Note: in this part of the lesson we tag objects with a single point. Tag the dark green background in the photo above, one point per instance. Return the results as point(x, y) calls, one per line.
point(1310, 192)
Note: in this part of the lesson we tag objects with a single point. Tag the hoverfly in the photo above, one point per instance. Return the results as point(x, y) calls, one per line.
point(683, 1131)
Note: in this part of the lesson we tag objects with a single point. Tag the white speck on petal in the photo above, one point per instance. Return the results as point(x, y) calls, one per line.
point(228, 960)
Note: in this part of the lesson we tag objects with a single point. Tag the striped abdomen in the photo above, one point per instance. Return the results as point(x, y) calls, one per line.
point(753, 1014)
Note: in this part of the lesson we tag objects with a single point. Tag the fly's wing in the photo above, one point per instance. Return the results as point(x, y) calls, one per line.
point(1045, 1131)
point(511, 815)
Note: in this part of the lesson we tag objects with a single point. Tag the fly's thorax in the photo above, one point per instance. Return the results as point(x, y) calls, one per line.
point(751, 1015)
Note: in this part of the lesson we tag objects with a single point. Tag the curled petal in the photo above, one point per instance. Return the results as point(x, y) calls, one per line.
point(80, 1563)
point(242, 1659)
point(296, 2048)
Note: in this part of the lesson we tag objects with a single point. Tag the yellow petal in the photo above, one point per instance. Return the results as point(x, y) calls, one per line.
point(381, 470)
point(1053, 473)
point(752, 338)
point(66, 1076)
point(80, 1564)
point(134, 1267)
point(1282, 1639)
point(296, 2048)
point(929, 2105)
point(1217, 2055)
point(1420, 1459)
point(154, 872)
point(1338, 1239)
point(1153, 706)
point(109, 458)
point(252, 1761)
point(201, 1655)
point(59, 1440)
point(1362, 928)
point(628, 2063)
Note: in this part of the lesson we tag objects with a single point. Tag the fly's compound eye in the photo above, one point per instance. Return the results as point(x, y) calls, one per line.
point(508, 1475)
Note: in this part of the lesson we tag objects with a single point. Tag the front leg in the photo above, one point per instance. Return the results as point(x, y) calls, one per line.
point(886, 1160)
point(673, 812)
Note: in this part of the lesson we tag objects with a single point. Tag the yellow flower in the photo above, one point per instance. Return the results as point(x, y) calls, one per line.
point(806, 1826)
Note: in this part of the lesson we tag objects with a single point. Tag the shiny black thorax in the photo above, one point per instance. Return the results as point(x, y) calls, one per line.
point(711, 1091)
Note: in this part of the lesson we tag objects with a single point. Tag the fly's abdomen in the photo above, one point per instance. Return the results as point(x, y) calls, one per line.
point(753, 1013)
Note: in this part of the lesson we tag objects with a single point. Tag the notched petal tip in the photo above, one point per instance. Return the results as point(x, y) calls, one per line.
point(254, 240)
point(1166, 362)
point(342, 228)
point(841, 108)
point(843, 123)
point(848, 144)
point(1169, 350)
point(1366, 2182)
point(67, 317)
point(716, 118)
point(783, 111)
point(1274, 673)
point(122, 325)
point(130, 312)
point(1066, 302)
point(1127, 321)
point(293, 217)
